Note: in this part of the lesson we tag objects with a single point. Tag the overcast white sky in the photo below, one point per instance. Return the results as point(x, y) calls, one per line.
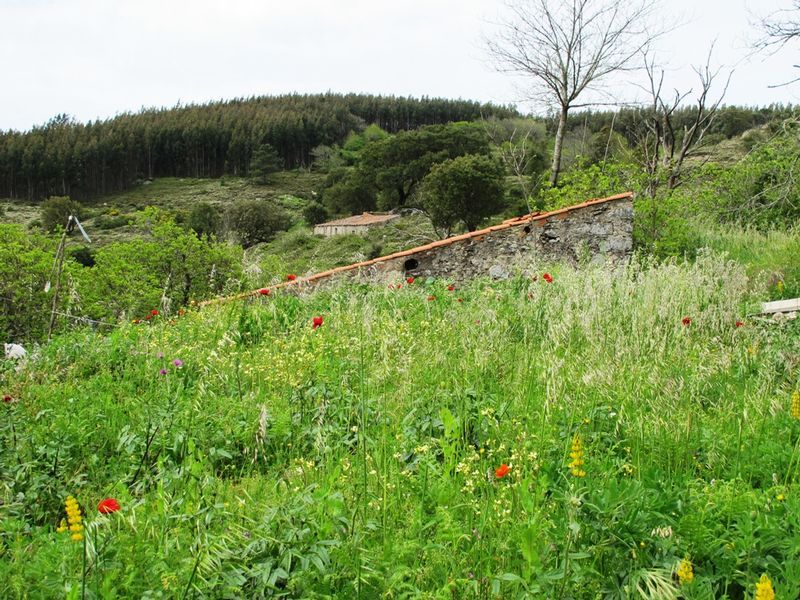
point(96, 58)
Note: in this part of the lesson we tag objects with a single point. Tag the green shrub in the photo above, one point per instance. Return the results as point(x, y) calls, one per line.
point(466, 189)
point(204, 219)
point(597, 180)
point(110, 222)
point(315, 213)
point(166, 269)
point(56, 210)
point(26, 265)
point(762, 189)
point(255, 221)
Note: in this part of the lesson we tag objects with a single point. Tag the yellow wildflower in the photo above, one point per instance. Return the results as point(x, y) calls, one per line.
point(74, 519)
point(796, 404)
point(576, 454)
point(62, 527)
point(780, 497)
point(685, 571)
point(764, 589)
point(780, 286)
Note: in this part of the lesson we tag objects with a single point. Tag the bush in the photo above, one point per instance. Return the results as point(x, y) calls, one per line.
point(255, 221)
point(203, 219)
point(465, 189)
point(349, 192)
point(167, 269)
point(761, 189)
point(110, 222)
point(315, 213)
point(594, 181)
point(26, 264)
point(56, 210)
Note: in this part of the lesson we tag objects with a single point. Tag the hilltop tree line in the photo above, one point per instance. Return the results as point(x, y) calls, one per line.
point(729, 121)
point(65, 157)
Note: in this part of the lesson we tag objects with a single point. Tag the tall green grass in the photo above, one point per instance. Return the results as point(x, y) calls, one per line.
point(359, 459)
point(771, 256)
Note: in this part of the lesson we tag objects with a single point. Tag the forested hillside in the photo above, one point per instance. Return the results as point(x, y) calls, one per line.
point(729, 121)
point(80, 160)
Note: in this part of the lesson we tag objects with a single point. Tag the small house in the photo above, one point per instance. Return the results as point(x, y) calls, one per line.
point(358, 224)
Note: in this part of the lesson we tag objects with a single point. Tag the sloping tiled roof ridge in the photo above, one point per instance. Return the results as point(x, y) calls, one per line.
point(516, 222)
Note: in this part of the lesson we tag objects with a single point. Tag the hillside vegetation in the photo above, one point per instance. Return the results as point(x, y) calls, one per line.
point(614, 433)
point(599, 432)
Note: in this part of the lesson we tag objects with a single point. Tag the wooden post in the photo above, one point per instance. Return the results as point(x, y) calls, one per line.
point(58, 268)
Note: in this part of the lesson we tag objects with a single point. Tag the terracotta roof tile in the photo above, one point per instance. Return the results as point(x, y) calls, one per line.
point(516, 222)
point(362, 219)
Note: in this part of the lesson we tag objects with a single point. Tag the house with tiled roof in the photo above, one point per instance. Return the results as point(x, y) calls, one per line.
point(358, 224)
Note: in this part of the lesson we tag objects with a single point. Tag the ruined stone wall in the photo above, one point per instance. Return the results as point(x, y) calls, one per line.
point(329, 230)
point(598, 233)
point(595, 231)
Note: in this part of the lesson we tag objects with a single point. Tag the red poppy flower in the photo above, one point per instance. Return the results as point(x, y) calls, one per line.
point(108, 506)
point(399, 285)
point(8, 399)
point(547, 277)
point(409, 280)
point(154, 312)
point(686, 321)
point(502, 471)
point(451, 287)
point(431, 298)
point(316, 322)
point(291, 277)
point(148, 317)
point(739, 324)
point(264, 291)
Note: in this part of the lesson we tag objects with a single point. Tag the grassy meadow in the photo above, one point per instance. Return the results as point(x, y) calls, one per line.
point(614, 433)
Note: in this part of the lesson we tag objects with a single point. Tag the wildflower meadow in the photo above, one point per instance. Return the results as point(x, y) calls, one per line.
point(594, 432)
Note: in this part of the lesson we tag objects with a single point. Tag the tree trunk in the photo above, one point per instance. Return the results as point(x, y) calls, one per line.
point(562, 129)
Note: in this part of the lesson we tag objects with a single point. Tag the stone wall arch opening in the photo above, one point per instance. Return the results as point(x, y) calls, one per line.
point(411, 264)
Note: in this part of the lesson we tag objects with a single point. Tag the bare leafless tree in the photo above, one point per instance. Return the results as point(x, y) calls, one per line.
point(778, 29)
point(517, 149)
point(567, 47)
point(664, 146)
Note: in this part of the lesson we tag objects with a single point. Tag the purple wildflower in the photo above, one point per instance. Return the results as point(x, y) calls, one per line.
point(178, 363)
point(162, 372)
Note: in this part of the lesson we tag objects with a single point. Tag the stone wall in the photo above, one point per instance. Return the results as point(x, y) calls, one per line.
point(597, 232)
point(329, 230)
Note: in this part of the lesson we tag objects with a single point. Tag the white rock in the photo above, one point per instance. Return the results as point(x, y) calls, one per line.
point(15, 351)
